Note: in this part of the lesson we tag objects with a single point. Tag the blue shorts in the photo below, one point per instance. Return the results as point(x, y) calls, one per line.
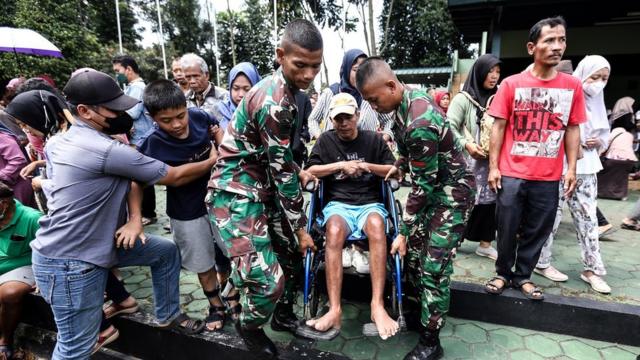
point(354, 215)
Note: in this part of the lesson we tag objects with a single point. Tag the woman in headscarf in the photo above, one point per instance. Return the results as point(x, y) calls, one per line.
point(593, 71)
point(41, 114)
point(464, 116)
point(36, 112)
point(442, 99)
point(369, 119)
point(619, 157)
point(242, 78)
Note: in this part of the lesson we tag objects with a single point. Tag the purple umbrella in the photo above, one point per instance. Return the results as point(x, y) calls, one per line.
point(26, 41)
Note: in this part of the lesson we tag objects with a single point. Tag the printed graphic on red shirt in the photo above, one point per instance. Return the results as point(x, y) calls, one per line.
point(540, 117)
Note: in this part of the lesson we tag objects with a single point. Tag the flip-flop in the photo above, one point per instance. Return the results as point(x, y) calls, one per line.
point(635, 227)
point(309, 332)
point(370, 329)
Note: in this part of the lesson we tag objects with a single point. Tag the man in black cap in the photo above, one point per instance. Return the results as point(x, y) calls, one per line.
point(92, 199)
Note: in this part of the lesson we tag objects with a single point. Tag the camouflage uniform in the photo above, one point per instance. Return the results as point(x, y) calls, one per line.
point(438, 205)
point(255, 199)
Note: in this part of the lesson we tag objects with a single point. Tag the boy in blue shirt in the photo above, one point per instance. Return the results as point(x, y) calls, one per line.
point(183, 136)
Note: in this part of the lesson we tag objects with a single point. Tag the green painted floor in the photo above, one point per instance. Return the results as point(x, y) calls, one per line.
point(464, 339)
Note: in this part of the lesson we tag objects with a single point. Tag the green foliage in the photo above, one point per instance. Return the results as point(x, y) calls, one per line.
point(61, 23)
point(421, 33)
point(253, 38)
point(102, 20)
point(181, 26)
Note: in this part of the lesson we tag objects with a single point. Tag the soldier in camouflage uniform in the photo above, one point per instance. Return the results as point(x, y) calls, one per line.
point(440, 199)
point(255, 198)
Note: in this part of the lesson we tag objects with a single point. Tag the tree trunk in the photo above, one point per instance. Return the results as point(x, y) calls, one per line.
point(364, 27)
point(386, 28)
point(372, 32)
point(233, 47)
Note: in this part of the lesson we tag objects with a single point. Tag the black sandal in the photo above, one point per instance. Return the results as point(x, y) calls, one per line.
point(235, 310)
point(216, 313)
point(190, 326)
point(492, 288)
point(534, 294)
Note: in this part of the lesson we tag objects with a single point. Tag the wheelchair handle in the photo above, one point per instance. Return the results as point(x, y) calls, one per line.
point(311, 186)
point(394, 184)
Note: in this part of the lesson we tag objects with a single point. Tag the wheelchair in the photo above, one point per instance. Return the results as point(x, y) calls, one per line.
point(313, 261)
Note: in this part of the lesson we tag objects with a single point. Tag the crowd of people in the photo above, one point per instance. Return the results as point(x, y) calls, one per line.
point(492, 163)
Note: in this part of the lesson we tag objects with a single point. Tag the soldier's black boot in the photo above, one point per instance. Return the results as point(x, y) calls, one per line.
point(259, 345)
point(284, 319)
point(428, 347)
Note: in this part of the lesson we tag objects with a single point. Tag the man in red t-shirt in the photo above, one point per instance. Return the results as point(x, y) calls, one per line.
point(537, 116)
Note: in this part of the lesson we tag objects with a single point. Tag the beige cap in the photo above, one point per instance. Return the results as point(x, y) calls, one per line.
point(342, 103)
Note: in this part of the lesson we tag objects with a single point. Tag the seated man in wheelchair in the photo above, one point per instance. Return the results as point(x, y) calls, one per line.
point(352, 164)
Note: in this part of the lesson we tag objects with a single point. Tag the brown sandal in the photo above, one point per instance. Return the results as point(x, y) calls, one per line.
point(534, 294)
point(115, 309)
point(492, 287)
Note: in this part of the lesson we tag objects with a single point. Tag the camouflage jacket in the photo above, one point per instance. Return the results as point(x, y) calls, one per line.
point(432, 155)
point(255, 159)
point(209, 100)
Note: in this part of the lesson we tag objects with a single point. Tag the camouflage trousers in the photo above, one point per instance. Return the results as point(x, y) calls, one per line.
point(429, 260)
point(265, 263)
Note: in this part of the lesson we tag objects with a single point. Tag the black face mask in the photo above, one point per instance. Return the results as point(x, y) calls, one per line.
point(120, 124)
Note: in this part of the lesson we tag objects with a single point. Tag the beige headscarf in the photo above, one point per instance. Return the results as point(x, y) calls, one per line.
point(622, 107)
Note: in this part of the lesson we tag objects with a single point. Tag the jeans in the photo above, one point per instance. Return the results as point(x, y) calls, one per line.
point(75, 289)
point(525, 213)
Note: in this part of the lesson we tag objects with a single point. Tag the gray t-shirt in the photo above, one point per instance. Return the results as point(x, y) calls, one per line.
point(89, 177)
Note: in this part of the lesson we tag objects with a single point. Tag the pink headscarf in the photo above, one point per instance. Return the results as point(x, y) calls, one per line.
point(438, 97)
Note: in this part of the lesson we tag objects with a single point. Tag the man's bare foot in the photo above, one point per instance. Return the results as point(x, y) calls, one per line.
point(387, 327)
point(332, 319)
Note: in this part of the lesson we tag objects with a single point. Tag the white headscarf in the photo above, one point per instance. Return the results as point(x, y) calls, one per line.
point(597, 124)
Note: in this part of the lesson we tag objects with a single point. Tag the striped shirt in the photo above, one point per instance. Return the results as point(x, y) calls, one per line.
point(370, 119)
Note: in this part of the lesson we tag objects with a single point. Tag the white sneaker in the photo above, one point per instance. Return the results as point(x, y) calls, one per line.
point(360, 261)
point(489, 252)
point(347, 257)
point(551, 273)
point(597, 283)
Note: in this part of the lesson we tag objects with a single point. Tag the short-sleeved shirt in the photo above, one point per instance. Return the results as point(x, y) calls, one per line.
point(88, 178)
point(142, 123)
point(367, 146)
point(255, 158)
point(537, 113)
point(16, 236)
point(184, 202)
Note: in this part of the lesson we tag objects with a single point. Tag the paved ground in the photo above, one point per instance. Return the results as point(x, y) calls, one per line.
point(464, 339)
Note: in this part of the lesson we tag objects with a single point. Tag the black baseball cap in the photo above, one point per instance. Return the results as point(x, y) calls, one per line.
point(92, 87)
